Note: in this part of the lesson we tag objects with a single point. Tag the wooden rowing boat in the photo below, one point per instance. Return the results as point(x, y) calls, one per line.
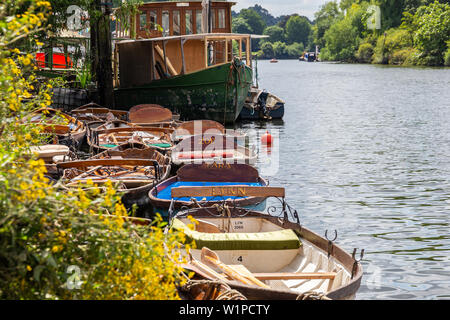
point(105, 139)
point(139, 196)
point(197, 127)
point(52, 154)
point(149, 113)
point(113, 125)
point(264, 256)
point(211, 148)
point(207, 175)
point(153, 116)
point(68, 130)
point(93, 112)
point(136, 170)
point(97, 126)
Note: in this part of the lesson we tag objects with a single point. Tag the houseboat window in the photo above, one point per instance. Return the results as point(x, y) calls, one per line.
point(221, 19)
point(143, 21)
point(189, 22)
point(165, 23)
point(153, 20)
point(176, 23)
point(213, 13)
point(198, 20)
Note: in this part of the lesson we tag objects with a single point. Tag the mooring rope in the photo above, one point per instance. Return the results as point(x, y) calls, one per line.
point(312, 295)
point(227, 294)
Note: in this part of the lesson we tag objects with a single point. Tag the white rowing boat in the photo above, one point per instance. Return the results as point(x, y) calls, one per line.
point(270, 258)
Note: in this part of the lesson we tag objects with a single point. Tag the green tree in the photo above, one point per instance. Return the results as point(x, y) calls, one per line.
point(295, 50)
point(324, 18)
point(240, 25)
point(279, 49)
point(298, 30)
point(431, 25)
point(267, 50)
point(392, 41)
point(254, 20)
point(365, 53)
point(342, 40)
point(275, 34)
point(269, 19)
point(346, 4)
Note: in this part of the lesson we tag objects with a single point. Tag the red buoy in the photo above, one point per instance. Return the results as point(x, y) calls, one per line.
point(267, 139)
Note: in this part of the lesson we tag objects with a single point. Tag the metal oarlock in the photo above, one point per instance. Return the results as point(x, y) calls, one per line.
point(330, 242)
point(355, 264)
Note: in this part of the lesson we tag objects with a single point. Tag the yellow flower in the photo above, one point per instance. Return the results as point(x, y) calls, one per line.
point(56, 249)
point(29, 268)
point(26, 61)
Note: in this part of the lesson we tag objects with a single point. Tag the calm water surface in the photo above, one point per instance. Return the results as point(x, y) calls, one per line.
point(365, 150)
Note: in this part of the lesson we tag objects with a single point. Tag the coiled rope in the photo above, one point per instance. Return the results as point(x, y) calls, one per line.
point(226, 292)
point(312, 295)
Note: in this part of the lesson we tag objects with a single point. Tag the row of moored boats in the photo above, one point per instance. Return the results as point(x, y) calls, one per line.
point(198, 169)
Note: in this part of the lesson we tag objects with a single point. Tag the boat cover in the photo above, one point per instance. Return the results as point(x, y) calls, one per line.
point(275, 240)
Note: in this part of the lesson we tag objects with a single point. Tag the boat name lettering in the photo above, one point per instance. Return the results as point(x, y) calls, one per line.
point(207, 142)
point(217, 165)
point(233, 191)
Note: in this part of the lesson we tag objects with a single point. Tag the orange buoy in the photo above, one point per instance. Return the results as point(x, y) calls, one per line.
point(267, 139)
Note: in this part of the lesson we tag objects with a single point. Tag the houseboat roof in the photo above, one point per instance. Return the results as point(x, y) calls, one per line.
point(144, 2)
point(156, 2)
point(199, 36)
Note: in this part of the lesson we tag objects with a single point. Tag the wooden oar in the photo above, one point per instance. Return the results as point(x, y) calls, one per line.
point(295, 276)
point(207, 270)
point(83, 175)
point(210, 257)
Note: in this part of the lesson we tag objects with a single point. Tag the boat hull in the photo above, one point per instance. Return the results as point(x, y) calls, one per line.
point(162, 206)
point(314, 255)
point(247, 114)
point(217, 93)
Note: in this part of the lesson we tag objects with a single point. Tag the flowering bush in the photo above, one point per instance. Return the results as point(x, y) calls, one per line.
point(57, 243)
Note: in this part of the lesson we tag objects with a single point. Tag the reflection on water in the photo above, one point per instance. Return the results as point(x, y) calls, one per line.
point(366, 150)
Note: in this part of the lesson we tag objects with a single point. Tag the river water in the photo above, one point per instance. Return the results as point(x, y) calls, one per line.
point(365, 150)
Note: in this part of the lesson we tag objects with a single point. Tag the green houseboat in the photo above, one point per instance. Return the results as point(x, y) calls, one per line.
point(173, 63)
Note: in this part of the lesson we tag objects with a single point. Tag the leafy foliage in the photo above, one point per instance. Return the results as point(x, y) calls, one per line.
point(387, 45)
point(342, 38)
point(413, 31)
point(240, 25)
point(365, 53)
point(431, 31)
point(275, 34)
point(254, 20)
point(298, 30)
point(48, 232)
point(324, 18)
point(447, 55)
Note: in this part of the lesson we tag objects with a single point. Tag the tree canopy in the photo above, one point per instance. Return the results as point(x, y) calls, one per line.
point(298, 30)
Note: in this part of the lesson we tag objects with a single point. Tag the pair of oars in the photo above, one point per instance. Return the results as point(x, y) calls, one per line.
point(210, 258)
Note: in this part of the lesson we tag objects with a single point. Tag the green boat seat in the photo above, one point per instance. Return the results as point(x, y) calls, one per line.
point(275, 240)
